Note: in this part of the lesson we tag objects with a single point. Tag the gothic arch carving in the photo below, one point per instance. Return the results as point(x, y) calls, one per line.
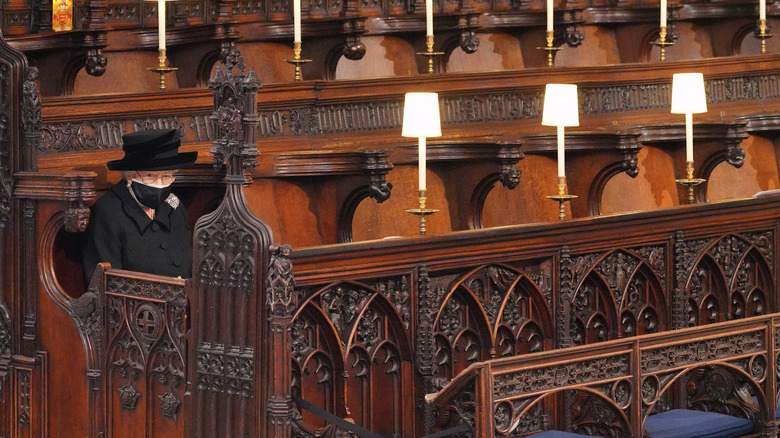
point(591, 411)
point(362, 345)
point(732, 397)
point(730, 276)
point(600, 181)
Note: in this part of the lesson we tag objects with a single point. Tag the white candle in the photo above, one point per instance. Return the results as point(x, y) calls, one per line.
point(688, 137)
point(161, 24)
point(561, 154)
point(663, 13)
point(762, 9)
point(297, 20)
point(421, 160)
point(429, 17)
point(549, 15)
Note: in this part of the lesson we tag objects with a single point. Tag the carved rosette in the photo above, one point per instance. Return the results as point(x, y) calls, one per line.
point(128, 396)
point(169, 405)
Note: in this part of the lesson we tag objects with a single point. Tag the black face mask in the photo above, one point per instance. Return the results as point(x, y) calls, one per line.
point(149, 196)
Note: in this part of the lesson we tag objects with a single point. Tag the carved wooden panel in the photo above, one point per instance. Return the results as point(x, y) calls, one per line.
point(349, 340)
point(731, 277)
point(145, 356)
point(619, 293)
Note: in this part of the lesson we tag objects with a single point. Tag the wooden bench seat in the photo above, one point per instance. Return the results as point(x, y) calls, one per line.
point(687, 423)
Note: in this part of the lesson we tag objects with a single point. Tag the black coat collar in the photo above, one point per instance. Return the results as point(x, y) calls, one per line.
point(134, 211)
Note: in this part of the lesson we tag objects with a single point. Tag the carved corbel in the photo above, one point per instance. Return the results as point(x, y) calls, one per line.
point(630, 163)
point(76, 217)
point(469, 42)
point(573, 36)
point(354, 49)
point(735, 155)
point(509, 174)
point(96, 62)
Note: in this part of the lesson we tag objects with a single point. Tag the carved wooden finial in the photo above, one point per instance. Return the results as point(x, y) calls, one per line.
point(234, 118)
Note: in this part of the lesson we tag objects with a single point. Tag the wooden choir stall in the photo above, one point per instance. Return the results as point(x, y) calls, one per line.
point(312, 287)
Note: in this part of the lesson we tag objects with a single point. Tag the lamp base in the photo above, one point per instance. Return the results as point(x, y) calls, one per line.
point(550, 49)
point(690, 182)
point(662, 43)
point(297, 61)
point(429, 52)
point(422, 211)
point(162, 68)
point(562, 197)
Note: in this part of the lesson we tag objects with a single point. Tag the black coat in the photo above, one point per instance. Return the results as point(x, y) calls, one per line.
point(122, 234)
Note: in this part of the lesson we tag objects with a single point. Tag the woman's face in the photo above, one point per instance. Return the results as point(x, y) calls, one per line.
point(152, 177)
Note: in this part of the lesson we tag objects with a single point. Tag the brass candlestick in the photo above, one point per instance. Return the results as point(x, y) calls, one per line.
point(162, 68)
point(561, 197)
point(297, 61)
point(429, 53)
point(763, 34)
point(689, 181)
point(422, 211)
point(662, 43)
point(550, 49)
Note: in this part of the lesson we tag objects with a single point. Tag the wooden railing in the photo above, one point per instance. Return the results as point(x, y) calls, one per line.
point(727, 367)
point(382, 323)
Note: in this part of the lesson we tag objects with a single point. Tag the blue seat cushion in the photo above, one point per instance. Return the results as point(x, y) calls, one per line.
point(558, 434)
point(684, 423)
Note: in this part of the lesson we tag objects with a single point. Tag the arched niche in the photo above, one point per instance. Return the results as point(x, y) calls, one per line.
point(526, 203)
point(388, 219)
point(653, 187)
point(759, 172)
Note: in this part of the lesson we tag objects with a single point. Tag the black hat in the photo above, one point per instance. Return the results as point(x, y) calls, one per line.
point(155, 149)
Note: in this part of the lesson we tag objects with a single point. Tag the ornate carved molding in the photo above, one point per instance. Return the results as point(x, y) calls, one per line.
point(663, 358)
point(280, 289)
point(428, 304)
point(397, 292)
point(559, 376)
point(236, 92)
point(6, 340)
point(456, 108)
point(225, 369)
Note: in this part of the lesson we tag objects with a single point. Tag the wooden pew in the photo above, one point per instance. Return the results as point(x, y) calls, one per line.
point(727, 367)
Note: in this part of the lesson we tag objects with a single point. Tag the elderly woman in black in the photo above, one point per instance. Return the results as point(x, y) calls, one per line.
point(139, 225)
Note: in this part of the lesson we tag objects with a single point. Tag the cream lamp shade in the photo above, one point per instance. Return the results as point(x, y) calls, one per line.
point(421, 115)
point(688, 95)
point(560, 105)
